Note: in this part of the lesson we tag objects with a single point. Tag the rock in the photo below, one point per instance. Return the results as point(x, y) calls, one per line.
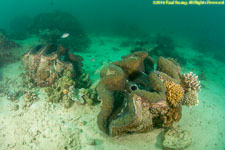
point(176, 139)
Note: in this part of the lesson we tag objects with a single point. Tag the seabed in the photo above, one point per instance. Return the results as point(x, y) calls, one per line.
point(40, 125)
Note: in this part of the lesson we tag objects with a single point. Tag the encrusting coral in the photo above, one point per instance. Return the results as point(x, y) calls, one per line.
point(136, 98)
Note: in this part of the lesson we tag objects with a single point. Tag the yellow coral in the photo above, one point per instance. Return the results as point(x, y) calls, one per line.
point(174, 93)
point(65, 91)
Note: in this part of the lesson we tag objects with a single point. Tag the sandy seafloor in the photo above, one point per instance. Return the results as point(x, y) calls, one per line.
point(44, 126)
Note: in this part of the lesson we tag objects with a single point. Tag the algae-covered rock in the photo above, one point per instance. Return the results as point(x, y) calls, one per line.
point(177, 139)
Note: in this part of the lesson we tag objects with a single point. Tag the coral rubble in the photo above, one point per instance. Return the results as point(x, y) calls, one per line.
point(136, 98)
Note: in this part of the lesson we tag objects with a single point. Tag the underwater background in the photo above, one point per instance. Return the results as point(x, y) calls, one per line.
point(47, 104)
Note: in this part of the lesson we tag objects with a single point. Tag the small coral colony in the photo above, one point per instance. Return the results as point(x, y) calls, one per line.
point(136, 94)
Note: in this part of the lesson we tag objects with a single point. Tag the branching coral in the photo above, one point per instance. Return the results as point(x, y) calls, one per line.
point(174, 93)
point(191, 86)
point(190, 82)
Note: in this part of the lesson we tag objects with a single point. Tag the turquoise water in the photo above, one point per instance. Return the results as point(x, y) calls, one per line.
point(91, 34)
